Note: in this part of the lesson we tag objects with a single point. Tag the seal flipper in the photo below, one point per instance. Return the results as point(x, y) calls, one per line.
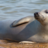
point(22, 21)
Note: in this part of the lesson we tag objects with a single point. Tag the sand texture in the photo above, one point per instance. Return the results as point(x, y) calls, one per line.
point(5, 44)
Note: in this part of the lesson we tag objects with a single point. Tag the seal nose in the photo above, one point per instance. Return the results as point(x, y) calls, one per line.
point(36, 14)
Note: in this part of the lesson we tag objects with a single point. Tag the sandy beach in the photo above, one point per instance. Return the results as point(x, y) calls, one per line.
point(6, 44)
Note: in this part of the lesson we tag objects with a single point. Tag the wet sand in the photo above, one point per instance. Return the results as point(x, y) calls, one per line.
point(7, 44)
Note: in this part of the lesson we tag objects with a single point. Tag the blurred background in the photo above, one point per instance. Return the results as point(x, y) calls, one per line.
point(16, 9)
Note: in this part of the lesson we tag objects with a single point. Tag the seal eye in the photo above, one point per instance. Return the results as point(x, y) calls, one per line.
point(46, 11)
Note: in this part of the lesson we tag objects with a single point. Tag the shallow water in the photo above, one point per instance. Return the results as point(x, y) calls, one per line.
point(16, 9)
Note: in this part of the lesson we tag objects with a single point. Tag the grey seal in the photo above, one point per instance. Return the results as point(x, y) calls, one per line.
point(34, 29)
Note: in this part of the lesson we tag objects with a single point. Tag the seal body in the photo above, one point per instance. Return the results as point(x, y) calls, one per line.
point(25, 29)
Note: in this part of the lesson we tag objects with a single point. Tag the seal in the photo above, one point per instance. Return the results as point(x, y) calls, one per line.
point(34, 29)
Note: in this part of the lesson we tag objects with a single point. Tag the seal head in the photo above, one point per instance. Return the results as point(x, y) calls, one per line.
point(42, 16)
